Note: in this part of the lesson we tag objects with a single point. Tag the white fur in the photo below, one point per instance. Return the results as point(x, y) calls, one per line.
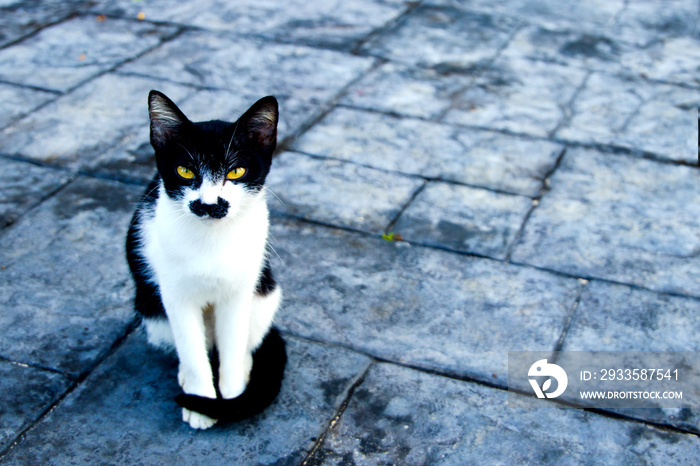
point(207, 271)
point(159, 333)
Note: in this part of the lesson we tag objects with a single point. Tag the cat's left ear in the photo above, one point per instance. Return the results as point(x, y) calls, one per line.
point(260, 124)
point(166, 118)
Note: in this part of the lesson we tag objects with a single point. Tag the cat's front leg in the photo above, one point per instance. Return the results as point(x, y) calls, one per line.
point(235, 360)
point(195, 374)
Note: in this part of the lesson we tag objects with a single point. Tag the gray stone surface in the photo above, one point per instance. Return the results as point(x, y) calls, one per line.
point(432, 150)
point(642, 22)
point(20, 18)
point(338, 193)
point(399, 416)
point(254, 68)
point(464, 219)
point(556, 137)
point(66, 54)
point(614, 217)
point(125, 413)
point(447, 37)
point(591, 15)
point(635, 114)
point(405, 90)
point(26, 393)
point(334, 23)
point(517, 95)
point(18, 101)
point(620, 318)
point(416, 305)
point(79, 127)
point(66, 279)
point(673, 60)
point(24, 186)
point(645, 23)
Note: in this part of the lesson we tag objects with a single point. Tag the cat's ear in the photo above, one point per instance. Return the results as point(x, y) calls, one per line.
point(166, 118)
point(260, 124)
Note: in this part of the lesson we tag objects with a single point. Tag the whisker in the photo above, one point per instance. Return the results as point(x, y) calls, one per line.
point(269, 245)
point(192, 157)
point(235, 130)
point(273, 193)
point(276, 254)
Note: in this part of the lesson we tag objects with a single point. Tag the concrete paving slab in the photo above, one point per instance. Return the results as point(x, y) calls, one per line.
point(64, 55)
point(338, 193)
point(647, 22)
point(404, 90)
point(432, 150)
point(125, 413)
point(672, 60)
point(19, 101)
point(382, 141)
point(65, 288)
point(591, 15)
point(19, 18)
point(464, 219)
point(415, 305)
point(132, 160)
point(255, 67)
point(618, 218)
point(568, 47)
point(27, 393)
point(517, 95)
point(79, 127)
point(400, 416)
point(25, 185)
point(636, 114)
point(620, 318)
point(447, 37)
point(330, 24)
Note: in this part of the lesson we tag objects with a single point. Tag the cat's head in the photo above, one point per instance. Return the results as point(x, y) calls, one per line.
point(213, 168)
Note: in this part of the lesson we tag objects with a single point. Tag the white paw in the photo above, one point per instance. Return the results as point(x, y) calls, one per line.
point(195, 386)
point(197, 420)
point(232, 388)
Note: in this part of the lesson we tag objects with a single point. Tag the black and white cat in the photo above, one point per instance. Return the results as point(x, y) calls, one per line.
point(197, 249)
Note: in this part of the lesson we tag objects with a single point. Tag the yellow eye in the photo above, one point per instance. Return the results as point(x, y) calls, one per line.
point(236, 173)
point(184, 172)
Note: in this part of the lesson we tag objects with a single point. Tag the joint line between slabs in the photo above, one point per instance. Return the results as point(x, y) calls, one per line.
point(339, 413)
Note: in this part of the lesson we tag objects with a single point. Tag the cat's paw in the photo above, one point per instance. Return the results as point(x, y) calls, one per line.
point(232, 388)
point(195, 386)
point(232, 383)
point(197, 420)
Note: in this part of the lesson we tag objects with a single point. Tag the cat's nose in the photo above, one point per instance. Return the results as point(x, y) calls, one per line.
point(218, 210)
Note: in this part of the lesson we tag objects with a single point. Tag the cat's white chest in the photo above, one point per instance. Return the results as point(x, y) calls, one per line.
point(205, 256)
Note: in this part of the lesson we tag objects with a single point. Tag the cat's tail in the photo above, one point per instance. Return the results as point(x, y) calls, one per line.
point(264, 385)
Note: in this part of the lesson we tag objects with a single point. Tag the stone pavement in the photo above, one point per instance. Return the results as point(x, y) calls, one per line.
point(537, 158)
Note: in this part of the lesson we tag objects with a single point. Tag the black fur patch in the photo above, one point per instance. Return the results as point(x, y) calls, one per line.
point(266, 282)
point(218, 210)
point(147, 302)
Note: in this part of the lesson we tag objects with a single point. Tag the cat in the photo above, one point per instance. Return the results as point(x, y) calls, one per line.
point(197, 250)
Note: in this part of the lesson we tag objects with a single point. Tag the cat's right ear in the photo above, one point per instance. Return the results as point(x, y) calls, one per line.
point(166, 118)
